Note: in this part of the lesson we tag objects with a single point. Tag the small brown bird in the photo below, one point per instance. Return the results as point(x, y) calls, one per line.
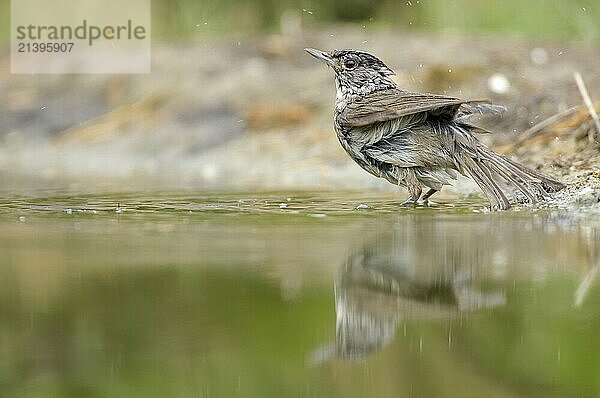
point(420, 140)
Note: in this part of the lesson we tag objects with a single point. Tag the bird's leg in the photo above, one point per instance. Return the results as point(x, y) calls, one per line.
point(413, 185)
point(425, 198)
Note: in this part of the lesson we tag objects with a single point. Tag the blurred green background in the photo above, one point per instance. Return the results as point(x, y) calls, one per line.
point(548, 18)
point(560, 19)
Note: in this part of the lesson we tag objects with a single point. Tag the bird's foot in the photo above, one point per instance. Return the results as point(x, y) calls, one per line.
point(410, 202)
point(426, 202)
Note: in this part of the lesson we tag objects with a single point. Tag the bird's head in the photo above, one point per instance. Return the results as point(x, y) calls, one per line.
point(356, 72)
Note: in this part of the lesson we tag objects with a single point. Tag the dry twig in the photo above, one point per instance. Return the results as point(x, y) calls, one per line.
point(588, 103)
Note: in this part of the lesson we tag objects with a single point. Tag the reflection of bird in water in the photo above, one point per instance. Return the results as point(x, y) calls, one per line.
point(432, 268)
point(385, 283)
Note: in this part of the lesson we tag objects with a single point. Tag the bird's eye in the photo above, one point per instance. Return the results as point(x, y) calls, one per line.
point(350, 64)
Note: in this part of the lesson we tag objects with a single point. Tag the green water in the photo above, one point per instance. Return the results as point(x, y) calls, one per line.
point(295, 295)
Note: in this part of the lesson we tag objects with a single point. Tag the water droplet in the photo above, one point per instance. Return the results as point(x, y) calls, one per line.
point(283, 205)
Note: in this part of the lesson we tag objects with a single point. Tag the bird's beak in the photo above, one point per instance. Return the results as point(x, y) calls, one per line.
point(321, 56)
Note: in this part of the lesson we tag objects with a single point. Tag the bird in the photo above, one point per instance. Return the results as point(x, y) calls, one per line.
point(421, 140)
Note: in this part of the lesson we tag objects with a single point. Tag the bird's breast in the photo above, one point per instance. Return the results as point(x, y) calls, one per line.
point(354, 150)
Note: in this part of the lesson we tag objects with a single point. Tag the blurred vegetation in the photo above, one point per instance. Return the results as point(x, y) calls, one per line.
point(558, 19)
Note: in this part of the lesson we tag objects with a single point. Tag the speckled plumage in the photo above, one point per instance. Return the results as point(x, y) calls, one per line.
point(419, 140)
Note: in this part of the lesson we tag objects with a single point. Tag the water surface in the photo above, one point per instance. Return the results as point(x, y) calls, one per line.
point(295, 294)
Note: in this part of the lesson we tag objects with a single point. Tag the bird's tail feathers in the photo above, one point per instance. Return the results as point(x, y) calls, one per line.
point(491, 170)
